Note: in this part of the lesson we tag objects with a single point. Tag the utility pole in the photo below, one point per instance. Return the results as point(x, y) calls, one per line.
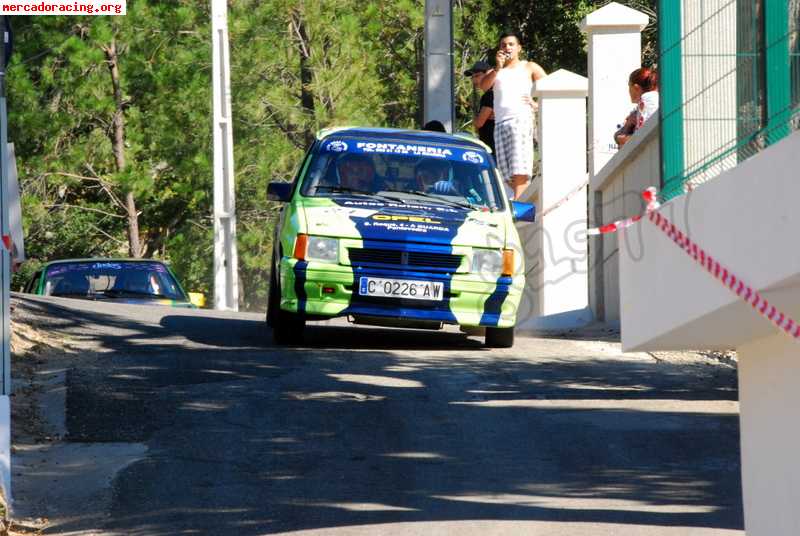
point(438, 99)
point(226, 263)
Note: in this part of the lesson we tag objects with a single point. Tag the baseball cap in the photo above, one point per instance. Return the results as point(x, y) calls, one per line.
point(478, 67)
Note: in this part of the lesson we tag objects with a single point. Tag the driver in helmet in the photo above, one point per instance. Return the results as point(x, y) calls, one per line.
point(434, 176)
point(356, 172)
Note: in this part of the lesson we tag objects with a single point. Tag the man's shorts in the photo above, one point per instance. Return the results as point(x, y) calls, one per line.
point(513, 140)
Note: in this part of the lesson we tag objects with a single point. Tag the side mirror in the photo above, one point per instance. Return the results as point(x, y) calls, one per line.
point(198, 299)
point(279, 191)
point(523, 211)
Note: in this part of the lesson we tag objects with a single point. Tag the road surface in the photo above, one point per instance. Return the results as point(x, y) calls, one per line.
point(164, 421)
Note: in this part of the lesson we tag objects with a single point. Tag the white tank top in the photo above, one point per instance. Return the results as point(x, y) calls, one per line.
point(510, 85)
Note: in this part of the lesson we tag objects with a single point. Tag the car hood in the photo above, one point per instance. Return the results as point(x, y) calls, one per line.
point(371, 219)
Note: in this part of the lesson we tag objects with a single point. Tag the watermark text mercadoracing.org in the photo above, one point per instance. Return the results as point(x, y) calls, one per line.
point(62, 7)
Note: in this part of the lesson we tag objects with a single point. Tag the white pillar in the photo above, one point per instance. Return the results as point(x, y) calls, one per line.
point(226, 263)
point(556, 259)
point(769, 398)
point(613, 35)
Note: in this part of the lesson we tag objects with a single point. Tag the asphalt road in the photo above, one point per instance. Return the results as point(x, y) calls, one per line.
point(193, 422)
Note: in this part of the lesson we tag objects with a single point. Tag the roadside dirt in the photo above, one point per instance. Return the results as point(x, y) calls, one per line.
point(34, 350)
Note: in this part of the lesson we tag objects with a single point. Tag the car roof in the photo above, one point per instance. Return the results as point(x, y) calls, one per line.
point(427, 136)
point(103, 259)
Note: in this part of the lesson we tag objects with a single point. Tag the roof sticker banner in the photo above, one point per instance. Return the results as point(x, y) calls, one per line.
point(445, 152)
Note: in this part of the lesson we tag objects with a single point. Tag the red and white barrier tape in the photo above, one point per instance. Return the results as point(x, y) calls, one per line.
point(736, 285)
point(564, 199)
point(712, 266)
point(650, 195)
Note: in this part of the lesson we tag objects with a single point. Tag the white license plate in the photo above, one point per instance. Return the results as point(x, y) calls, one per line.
point(401, 288)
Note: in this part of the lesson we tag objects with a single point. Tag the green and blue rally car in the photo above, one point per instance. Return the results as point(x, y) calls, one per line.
point(397, 228)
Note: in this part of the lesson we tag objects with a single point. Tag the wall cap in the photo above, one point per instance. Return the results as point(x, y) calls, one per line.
point(614, 15)
point(562, 83)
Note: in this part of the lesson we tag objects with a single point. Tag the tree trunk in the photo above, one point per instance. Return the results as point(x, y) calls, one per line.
point(118, 144)
point(306, 74)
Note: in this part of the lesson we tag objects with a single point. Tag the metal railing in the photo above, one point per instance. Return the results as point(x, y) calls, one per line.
point(730, 84)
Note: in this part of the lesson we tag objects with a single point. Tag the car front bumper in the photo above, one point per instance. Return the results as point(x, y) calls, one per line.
point(329, 290)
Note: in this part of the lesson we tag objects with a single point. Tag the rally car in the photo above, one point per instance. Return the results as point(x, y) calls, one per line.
point(396, 228)
point(132, 281)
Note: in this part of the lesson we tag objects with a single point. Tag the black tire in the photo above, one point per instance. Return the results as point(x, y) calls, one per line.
point(273, 299)
point(287, 327)
point(499, 337)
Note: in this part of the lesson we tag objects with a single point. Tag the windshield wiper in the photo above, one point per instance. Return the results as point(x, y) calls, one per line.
point(117, 293)
point(356, 191)
point(344, 190)
point(443, 199)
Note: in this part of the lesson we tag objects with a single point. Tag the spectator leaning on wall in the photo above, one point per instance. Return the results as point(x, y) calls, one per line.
point(643, 89)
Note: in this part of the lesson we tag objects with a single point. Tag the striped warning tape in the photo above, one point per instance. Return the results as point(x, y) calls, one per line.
point(650, 195)
point(712, 266)
point(726, 277)
point(564, 199)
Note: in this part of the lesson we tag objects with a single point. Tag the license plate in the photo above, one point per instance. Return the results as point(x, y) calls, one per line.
point(401, 288)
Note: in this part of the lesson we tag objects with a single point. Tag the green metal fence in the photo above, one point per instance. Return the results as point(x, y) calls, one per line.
point(730, 84)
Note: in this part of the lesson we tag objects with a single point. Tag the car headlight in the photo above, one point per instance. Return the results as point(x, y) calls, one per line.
point(323, 249)
point(487, 261)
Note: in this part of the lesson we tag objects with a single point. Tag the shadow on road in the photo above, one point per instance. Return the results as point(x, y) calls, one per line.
point(373, 427)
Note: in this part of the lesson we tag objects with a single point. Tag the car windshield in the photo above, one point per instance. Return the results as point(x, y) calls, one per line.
point(404, 171)
point(112, 279)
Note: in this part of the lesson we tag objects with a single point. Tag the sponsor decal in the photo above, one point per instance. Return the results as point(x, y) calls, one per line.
point(472, 156)
point(404, 148)
point(403, 206)
point(107, 266)
point(393, 217)
point(337, 146)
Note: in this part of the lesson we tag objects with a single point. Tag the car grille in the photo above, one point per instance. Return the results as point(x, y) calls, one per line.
point(411, 259)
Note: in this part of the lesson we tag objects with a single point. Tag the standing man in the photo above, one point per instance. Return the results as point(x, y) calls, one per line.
point(512, 80)
point(484, 119)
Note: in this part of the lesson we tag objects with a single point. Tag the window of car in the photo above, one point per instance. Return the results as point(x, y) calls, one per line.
point(439, 172)
point(112, 279)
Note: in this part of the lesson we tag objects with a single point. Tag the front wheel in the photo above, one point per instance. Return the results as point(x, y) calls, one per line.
point(499, 337)
point(287, 327)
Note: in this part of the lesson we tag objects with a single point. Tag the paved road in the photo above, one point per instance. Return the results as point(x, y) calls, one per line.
point(187, 422)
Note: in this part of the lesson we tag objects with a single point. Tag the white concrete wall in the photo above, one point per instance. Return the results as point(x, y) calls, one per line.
point(769, 395)
point(5, 450)
point(747, 218)
point(617, 194)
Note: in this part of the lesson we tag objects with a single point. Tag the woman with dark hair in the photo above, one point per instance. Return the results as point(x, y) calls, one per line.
point(643, 89)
